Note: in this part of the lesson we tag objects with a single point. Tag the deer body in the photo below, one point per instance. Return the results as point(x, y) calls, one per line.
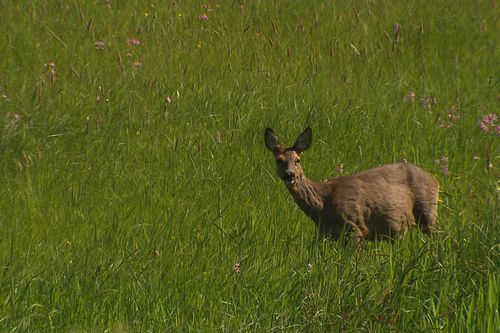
point(379, 203)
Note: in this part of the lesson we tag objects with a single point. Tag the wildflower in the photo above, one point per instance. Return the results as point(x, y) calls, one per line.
point(101, 92)
point(137, 64)
point(410, 98)
point(237, 268)
point(13, 117)
point(50, 67)
point(476, 158)
point(488, 124)
point(309, 268)
point(442, 159)
point(442, 162)
point(452, 117)
point(133, 42)
point(203, 17)
point(428, 102)
point(340, 168)
point(444, 170)
point(99, 45)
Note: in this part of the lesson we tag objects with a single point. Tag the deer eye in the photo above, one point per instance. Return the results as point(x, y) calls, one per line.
point(297, 162)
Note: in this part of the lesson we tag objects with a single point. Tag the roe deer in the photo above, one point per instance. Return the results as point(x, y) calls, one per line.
point(376, 204)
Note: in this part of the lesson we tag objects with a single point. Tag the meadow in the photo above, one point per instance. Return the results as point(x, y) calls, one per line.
point(137, 195)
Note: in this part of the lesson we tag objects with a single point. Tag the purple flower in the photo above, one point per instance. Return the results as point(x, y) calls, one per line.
point(442, 162)
point(203, 17)
point(99, 45)
point(133, 42)
point(445, 171)
point(489, 124)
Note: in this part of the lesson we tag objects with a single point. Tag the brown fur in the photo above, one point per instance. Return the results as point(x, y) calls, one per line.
point(379, 203)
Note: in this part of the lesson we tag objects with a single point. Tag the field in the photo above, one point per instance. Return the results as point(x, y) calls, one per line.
point(137, 195)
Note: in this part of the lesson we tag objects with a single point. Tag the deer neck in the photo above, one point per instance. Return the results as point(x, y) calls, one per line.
point(310, 196)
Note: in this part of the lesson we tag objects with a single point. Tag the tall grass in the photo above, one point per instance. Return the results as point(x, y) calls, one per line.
point(136, 193)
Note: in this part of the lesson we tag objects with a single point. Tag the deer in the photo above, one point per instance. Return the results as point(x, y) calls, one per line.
point(376, 204)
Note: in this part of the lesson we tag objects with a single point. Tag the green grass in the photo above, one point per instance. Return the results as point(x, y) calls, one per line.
point(127, 212)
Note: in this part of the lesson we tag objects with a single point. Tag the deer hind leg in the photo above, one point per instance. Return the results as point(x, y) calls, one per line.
point(425, 212)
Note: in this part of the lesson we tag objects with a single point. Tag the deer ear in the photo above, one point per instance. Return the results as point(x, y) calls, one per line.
point(303, 141)
point(271, 140)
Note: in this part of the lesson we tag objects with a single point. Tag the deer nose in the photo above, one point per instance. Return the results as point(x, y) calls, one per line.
point(289, 176)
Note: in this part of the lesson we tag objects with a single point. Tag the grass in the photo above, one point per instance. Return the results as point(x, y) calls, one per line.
point(134, 177)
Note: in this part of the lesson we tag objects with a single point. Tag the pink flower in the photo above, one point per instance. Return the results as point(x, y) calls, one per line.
point(203, 17)
point(99, 45)
point(445, 171)
point(489, 124)
point(133, 42)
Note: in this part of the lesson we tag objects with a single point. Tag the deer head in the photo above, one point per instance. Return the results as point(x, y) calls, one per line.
point(288, 159)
